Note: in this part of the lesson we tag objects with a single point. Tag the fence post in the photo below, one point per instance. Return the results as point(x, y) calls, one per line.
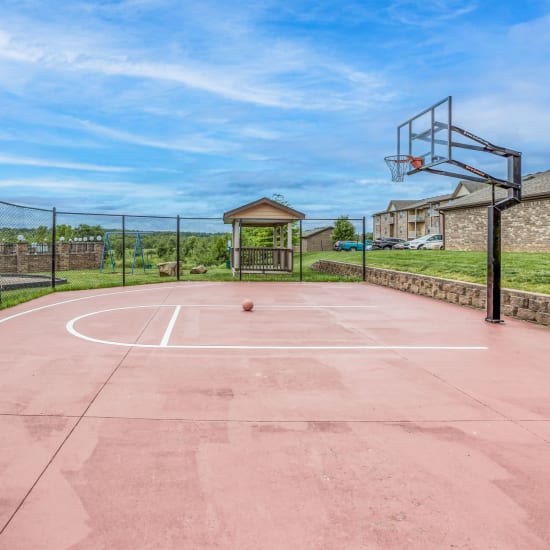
point(301, 274)
point(123, 250)
point(178, 255)
point(54, 237)
point(240, 250)
point(364, 251)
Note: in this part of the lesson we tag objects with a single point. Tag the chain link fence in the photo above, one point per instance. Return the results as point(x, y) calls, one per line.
point(26, 249)
point(44, 250)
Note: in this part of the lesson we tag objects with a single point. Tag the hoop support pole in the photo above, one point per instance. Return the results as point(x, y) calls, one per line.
point(494, 239)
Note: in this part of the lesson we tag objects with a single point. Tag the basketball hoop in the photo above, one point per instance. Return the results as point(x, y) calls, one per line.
point(399, 165)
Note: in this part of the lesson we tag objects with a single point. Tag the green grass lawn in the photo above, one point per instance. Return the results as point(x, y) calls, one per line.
point(520, 270)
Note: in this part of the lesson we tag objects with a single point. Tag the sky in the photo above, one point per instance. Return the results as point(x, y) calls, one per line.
point(197, 107)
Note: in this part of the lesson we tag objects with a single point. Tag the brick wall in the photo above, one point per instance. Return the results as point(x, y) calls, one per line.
point(8, 263)
point(525, 227)
point(527, 306)
point(68, 257)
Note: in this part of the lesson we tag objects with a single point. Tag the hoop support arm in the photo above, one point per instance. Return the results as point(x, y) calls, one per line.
point(447, 173)
point(488, 147)
point(482, 176)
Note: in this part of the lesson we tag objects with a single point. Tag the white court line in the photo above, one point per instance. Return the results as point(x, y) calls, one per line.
point(48, 306)
point(70, 326)
point(263, 306)
point(170, 328)
point(56, 304)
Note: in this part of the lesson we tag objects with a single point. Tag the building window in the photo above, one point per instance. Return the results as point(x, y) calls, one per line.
point(400, 214)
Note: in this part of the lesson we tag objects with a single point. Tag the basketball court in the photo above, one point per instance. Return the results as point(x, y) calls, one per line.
point(330, 416)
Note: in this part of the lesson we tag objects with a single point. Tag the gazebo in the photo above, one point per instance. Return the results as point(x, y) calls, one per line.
point(263, 213)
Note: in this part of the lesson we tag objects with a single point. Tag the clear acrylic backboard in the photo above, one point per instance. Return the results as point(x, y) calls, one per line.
point(427, 134)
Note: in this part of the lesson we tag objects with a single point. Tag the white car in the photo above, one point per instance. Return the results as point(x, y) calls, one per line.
point(433, 241)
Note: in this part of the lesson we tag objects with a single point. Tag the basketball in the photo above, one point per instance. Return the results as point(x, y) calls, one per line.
point(248, 305)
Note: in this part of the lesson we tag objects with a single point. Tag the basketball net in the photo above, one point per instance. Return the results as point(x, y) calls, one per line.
point(399, 165)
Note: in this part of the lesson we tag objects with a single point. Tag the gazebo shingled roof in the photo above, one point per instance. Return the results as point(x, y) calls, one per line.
point(263, 211)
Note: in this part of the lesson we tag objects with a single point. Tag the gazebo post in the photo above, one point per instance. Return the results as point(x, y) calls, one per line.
point(236, 244)
point(288, 255)
point(289, 235)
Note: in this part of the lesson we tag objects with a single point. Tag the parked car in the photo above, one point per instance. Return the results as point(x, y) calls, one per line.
point(427, 241)
point(386, 243)
point(352, 245)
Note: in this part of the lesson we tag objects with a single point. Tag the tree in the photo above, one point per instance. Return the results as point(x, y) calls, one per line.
point(65, 231)
point(277, 197)
point(89, 231)
point(263, 236)
point(343, 230)
point(41, 233)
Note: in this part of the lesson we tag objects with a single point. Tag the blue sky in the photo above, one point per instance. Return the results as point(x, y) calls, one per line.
point(196, 107)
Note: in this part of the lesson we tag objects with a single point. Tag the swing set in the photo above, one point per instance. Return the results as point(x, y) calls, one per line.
point(138, 250)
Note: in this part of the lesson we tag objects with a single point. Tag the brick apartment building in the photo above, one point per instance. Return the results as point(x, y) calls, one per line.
point(409, 219)
point(462, 217)
point(525, 227)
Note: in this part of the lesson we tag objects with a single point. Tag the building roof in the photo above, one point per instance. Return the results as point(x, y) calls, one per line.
point(312, 232)
point(397, 205)
point(425, 202)
point(471, 186)
point(533, 186)
point(412, 203)
point(263, 210)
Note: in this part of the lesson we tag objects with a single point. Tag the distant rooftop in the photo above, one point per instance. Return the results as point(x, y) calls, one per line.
point(533, 186)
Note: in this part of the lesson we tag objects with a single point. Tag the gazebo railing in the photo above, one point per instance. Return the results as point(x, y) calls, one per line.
point(261, 259)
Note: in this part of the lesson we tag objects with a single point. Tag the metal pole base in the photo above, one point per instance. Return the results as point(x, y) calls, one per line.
point(494, 321)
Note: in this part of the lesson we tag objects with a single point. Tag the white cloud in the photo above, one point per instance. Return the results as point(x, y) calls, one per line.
point(251, 72)
point(260, 133)
point(107, 189)
point(372, 181)
point(428, 13)
point(50, 163)
point(193, 144)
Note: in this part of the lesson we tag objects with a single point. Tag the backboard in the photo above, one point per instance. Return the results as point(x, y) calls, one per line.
point(427, 134)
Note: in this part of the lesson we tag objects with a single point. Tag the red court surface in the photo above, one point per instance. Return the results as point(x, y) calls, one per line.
point(332, 416)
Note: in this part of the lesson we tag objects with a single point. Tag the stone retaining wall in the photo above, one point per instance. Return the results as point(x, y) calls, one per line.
point(527, 306)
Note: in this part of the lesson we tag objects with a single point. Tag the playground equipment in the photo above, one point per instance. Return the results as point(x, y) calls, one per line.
point(108, 250)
